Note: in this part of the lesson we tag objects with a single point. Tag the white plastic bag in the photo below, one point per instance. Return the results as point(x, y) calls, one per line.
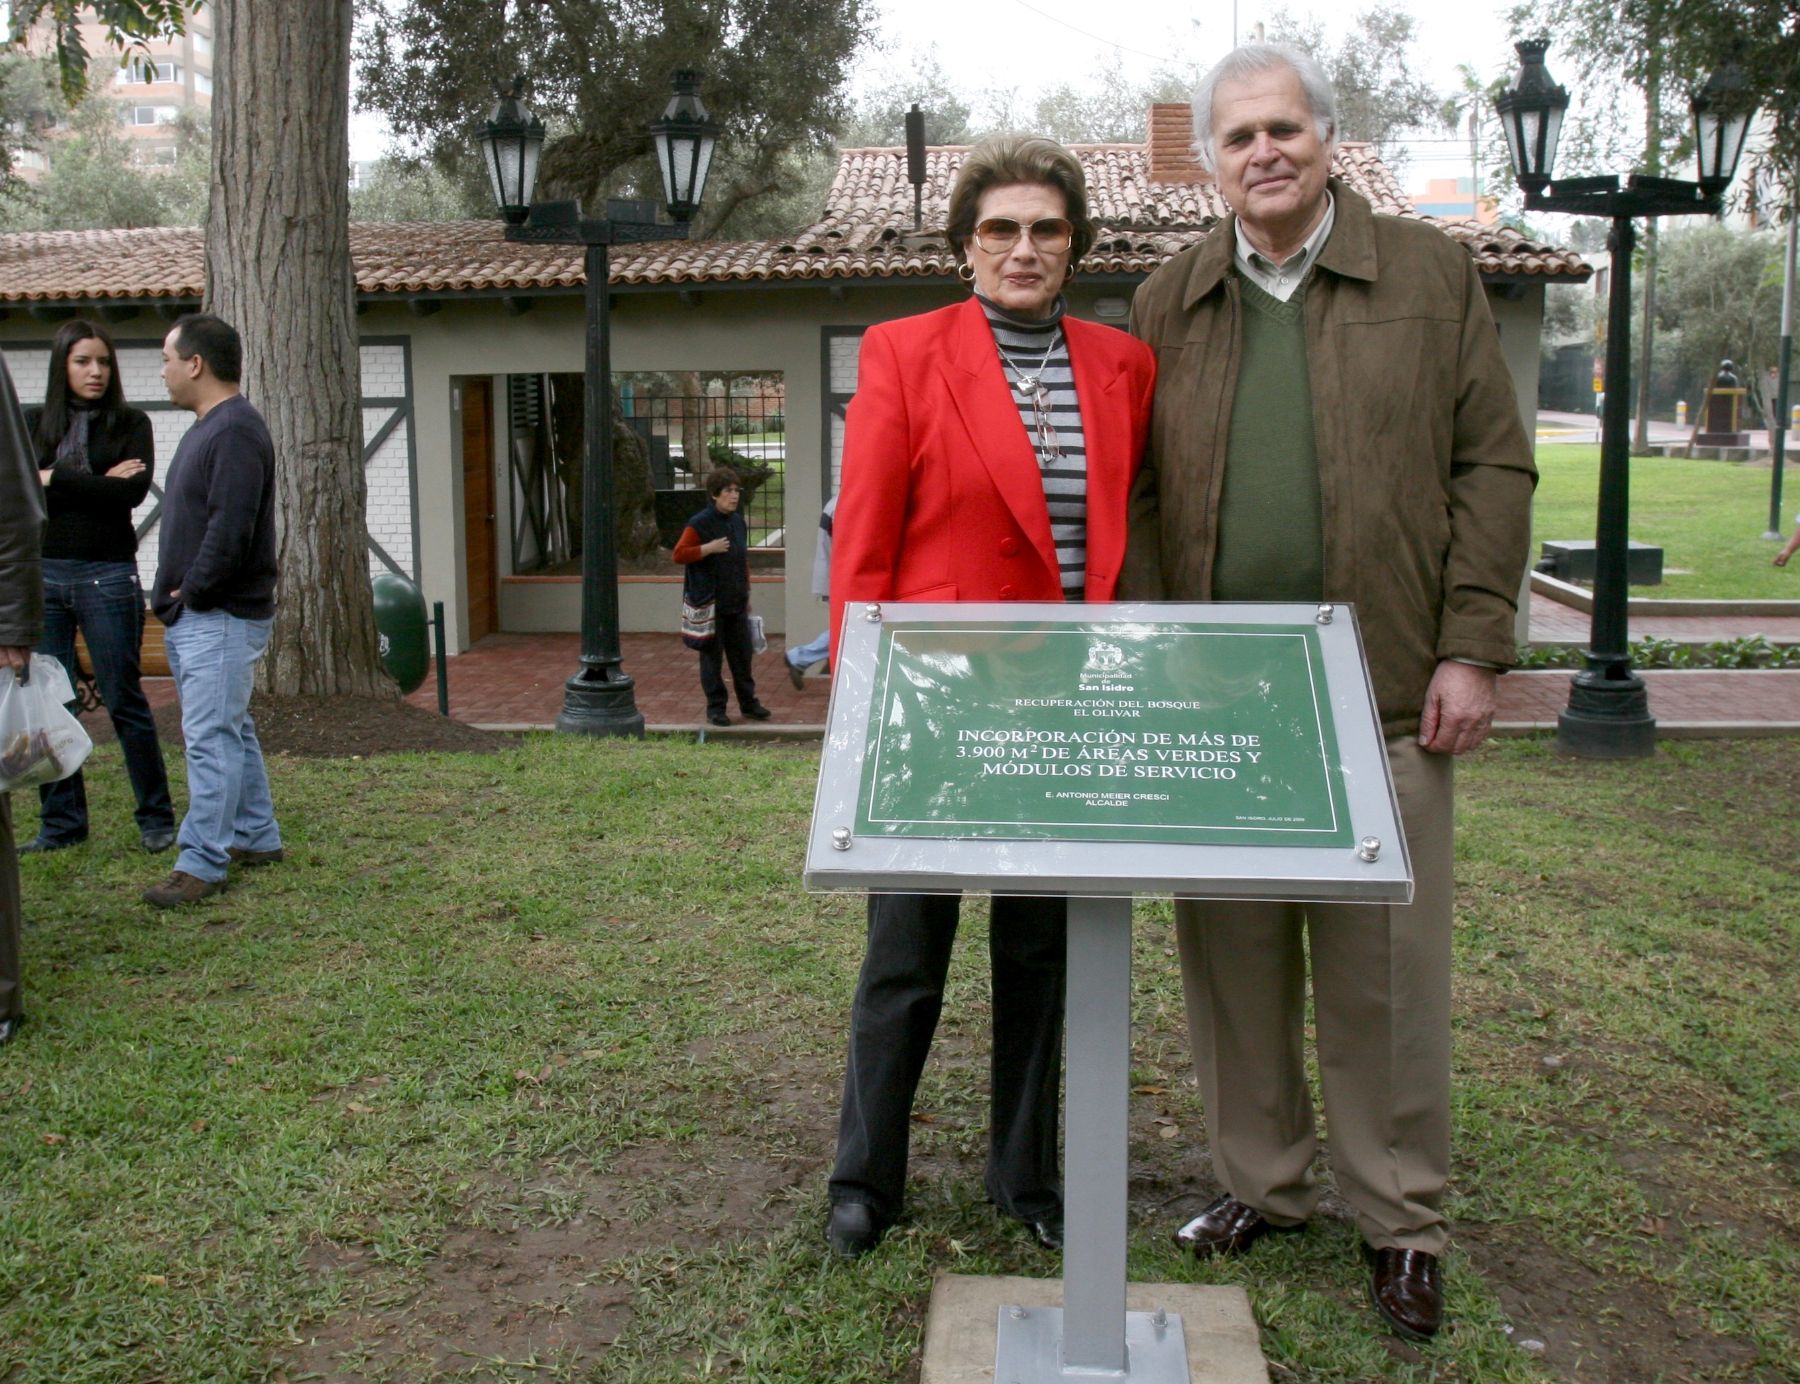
point(759, 643)
point(40, 742)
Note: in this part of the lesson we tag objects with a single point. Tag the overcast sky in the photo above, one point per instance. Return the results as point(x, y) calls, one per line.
point(1034, 44)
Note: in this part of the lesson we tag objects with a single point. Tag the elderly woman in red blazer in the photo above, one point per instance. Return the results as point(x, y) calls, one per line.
point(987, 457)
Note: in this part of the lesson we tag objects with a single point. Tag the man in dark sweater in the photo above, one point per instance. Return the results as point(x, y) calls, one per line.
point(215, 590)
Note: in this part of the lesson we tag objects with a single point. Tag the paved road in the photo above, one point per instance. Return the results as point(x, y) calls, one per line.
point(1585, 427)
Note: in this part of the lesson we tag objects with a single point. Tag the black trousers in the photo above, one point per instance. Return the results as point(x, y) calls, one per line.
point(898, 998)
point(731, 644)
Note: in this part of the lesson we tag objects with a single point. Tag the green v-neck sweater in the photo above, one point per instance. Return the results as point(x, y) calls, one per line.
point(1271, 531)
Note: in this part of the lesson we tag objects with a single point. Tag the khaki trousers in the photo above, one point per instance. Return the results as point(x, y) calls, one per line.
point(1381, 996)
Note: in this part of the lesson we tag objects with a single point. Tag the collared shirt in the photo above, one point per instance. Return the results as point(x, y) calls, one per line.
point(1280, 280)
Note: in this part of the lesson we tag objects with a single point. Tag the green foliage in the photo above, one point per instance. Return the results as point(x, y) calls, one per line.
point(598, 72)
point(1372, 75)
point(1763, 38)
point(94, 182)
point(30, 101)
point(400, 189)
point(1749, 651)
point(1112, 109)
point(1718, 297)
point(877, 120)
point(1628, 68)
point(127, 25)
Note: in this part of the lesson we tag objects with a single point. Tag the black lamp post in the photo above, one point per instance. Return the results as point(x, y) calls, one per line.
point(599, 699)
point(1608, 716)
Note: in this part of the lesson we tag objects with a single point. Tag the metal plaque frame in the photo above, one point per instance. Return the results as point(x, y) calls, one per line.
point(1369, 865)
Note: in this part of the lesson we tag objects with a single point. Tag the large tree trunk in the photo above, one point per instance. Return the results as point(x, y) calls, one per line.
point(278, 269)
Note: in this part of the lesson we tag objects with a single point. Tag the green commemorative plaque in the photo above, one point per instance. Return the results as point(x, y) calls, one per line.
point(1192, 732)
point(1217, 750)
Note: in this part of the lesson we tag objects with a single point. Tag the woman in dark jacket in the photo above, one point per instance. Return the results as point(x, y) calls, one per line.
point(96, 455)
point(715, 548)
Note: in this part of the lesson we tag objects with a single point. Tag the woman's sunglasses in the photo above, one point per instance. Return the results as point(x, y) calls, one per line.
point(1000, 233)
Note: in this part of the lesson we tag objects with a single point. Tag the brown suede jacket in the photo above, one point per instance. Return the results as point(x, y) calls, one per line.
point(21, 526)
point(1425, 470)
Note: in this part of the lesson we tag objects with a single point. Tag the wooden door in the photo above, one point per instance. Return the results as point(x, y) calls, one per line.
point(478, 505)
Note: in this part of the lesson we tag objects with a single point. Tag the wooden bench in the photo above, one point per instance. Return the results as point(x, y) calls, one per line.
point(153, 662)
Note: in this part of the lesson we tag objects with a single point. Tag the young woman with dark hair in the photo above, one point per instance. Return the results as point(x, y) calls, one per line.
point(96, 455)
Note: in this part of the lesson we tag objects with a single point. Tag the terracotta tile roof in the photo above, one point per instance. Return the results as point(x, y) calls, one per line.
point(1151, 201)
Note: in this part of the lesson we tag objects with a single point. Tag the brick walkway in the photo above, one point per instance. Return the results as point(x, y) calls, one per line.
point(517, 680)
point(1700, 701)
point(1552, 622)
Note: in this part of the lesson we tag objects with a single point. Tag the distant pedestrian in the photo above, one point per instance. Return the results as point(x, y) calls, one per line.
point(96, 457)
point(21, 626)
point(804, 656)
point(1793, 545)
point(215, 590)
point(715, 548)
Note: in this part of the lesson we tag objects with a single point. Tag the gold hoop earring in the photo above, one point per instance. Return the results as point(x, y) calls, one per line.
point(966, 272)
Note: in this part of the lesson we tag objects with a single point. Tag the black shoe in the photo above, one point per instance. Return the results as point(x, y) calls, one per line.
point(1046, 1229)
point(852, 1230)
point(758, 712)
point(158, 839)
point(718, 718)
point(253, 859)
point(796, 676)
point(43, 845)
point(9, 1028)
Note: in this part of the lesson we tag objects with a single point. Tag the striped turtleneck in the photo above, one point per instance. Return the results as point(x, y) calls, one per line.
point(1039, 350)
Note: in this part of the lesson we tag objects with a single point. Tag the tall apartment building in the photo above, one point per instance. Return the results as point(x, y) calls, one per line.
point(153, 86)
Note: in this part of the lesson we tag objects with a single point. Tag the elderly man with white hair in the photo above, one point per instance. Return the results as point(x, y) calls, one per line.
point(1333, 421)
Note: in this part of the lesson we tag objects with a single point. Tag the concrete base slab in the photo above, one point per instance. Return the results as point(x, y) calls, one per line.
point(1222, 1342)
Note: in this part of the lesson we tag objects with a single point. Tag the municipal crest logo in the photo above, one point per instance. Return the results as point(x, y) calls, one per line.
point(1106, 658)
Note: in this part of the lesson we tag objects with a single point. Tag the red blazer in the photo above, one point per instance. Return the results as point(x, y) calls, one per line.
point(941, 498)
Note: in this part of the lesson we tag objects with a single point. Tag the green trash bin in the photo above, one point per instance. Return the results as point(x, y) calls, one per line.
point(400, 618)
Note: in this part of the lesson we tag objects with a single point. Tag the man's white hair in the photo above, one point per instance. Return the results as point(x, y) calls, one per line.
point(1246, 61)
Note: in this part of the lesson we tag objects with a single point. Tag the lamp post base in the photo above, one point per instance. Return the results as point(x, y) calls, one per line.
point(1607, 717)
point(600, 706)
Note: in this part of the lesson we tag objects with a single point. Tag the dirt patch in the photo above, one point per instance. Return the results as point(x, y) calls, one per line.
point(1594, 1326)
point(333, 728)
point(541, 1270)
point(550, 1281)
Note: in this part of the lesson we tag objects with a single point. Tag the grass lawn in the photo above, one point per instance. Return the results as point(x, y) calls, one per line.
point(1709, 517)
point(524, 1066)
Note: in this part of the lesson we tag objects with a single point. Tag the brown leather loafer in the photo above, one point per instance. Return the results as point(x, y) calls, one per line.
point(180, 888)
point(1228, 1226)
point(1408, 1290)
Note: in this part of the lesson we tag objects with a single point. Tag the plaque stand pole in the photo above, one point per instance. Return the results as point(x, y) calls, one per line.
point(1092, 1336)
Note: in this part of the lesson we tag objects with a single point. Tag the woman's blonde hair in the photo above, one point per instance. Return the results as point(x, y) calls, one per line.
point(1005, 160)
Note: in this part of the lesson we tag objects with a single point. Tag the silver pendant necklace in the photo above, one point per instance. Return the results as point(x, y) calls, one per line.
point(1032, 384)
point(1047, 445)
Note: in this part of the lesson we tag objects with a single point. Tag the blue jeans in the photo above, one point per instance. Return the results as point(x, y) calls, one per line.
point(213, 657)
point(103, 601)
point(803, 656)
